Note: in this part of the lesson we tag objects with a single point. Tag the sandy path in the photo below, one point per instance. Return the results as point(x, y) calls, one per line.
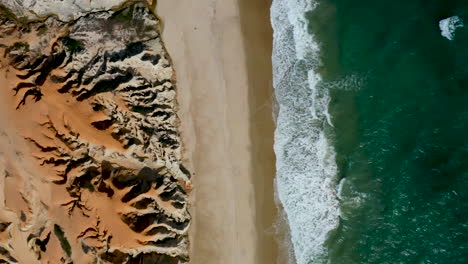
point(225, 109)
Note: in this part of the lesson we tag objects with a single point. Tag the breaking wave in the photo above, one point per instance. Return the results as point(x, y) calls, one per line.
point(306, 166)
point(449, 25)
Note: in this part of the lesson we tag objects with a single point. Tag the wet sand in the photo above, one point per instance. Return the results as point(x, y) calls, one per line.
point(221, 51)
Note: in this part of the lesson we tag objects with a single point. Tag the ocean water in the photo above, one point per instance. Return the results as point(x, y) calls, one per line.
point(372, 129)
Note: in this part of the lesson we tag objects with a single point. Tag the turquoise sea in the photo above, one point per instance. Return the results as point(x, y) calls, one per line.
point(372, 130)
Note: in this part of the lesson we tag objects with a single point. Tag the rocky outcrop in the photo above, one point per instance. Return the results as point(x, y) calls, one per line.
point(92, 95)
point(64, 10)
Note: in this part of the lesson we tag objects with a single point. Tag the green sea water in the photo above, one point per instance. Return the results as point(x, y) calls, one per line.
point(399, 106)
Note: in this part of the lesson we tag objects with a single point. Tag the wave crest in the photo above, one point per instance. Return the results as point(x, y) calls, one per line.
point(449, 25)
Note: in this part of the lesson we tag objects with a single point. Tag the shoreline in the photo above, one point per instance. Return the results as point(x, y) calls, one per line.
point(222, 57)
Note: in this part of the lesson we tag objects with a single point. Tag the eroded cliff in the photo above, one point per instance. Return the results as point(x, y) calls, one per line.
point(90, 155)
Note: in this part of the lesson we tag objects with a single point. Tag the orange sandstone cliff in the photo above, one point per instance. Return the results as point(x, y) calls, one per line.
point(90, 155)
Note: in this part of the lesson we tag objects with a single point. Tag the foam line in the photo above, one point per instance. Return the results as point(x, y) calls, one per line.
point(306, 167)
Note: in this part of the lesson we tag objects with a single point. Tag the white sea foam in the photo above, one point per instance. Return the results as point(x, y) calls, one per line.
point(339, 189)
point(306, 167)
point(449, 25)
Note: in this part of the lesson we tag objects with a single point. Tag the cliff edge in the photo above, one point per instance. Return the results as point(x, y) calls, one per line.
point(90, 153)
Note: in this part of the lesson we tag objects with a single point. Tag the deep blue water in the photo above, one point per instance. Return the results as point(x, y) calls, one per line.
point(401, 130)
point(398, 92)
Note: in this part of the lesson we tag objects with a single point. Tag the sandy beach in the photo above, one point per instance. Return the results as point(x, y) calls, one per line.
point(221, 50)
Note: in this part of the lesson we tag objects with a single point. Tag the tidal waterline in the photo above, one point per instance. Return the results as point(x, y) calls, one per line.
point(399, 106)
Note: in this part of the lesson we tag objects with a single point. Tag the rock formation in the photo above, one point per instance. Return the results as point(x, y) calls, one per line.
point(90, 155)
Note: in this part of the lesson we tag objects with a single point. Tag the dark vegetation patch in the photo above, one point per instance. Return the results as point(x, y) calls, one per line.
point(21, 47)
point(123, 15)
point(72, 45)
point(58, 231)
